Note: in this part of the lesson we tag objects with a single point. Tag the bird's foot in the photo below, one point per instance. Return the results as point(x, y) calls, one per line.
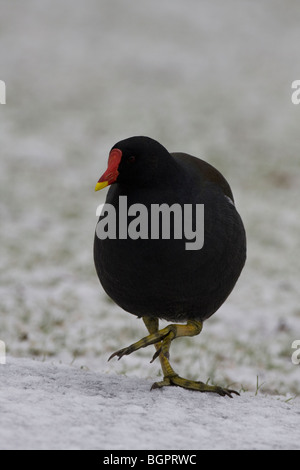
point(146, 341)
point(162, 340)
point(177, 381)
point(166, 335)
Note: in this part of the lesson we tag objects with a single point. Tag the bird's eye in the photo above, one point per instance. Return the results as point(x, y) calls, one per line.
point(131, 159)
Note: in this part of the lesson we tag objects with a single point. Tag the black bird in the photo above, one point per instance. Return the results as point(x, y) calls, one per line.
point(166, 276)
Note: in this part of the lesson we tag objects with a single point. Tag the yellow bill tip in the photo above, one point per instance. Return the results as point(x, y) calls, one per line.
point(101, 185)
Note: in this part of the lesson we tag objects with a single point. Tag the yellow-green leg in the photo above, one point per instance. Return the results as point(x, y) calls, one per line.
point(162, 341)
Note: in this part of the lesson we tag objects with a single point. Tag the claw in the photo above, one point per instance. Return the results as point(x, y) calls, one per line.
point(164, 383)
point(155, 355)
point(120, 353)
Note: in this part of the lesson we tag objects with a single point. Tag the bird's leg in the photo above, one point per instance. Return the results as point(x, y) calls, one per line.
point(152, 326)
point(162, 340)
point(162, 351)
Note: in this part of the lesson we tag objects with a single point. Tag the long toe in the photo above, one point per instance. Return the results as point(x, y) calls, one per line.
point(178, 381)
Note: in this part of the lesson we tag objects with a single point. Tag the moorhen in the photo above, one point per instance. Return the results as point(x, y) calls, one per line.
point(155, 271)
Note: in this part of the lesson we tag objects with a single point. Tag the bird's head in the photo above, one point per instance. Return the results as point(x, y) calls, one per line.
point(136, 161)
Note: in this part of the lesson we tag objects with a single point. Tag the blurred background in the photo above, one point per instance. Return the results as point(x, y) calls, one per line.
point(209, 78)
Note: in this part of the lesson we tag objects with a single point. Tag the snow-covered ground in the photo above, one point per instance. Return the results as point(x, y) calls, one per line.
point(209, 78)
point(46, 405)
